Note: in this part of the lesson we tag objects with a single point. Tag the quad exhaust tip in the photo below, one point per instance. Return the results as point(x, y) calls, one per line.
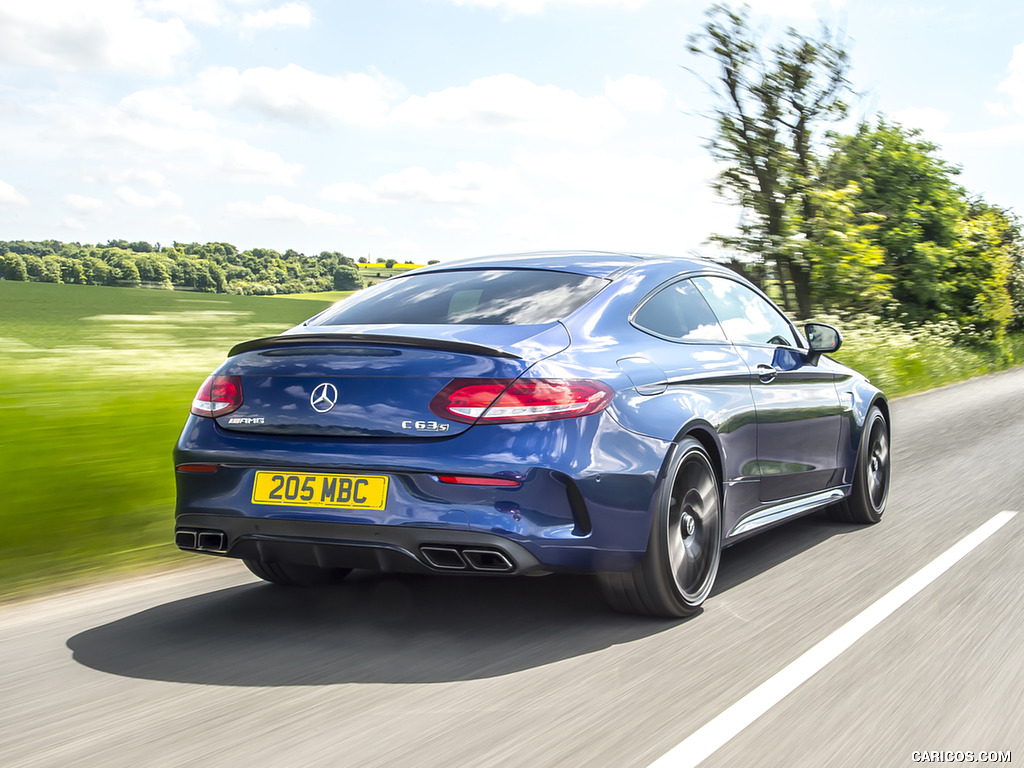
point(488, 560)
point(203, 541)
point(452, 559)
point(445, 558)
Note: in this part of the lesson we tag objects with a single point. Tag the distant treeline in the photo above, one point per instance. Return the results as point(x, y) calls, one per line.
point(209, 267)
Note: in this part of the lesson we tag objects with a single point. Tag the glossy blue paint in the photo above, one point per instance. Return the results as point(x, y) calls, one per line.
point(780, 425)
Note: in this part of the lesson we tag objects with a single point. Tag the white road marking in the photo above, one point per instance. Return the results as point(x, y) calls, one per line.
point(710, 737)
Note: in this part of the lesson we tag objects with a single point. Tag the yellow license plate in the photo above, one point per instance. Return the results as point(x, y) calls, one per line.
point(294, 489)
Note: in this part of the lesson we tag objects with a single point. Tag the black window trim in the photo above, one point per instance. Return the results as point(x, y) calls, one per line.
point(664, 286)
point(801, 342)
point(746, 284)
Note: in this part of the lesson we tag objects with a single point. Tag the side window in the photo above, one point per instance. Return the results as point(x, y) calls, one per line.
point(679, 312)
point(746, 317)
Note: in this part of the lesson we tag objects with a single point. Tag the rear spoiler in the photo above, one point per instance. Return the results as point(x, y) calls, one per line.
point(328, 339)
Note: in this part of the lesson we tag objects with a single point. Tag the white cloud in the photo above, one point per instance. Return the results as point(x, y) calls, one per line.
point(997, 108)
point(606, 200)
point(511, 103)
point(147, 176)
point(69, 222)
point(468, 184)
point(95, 35)
point(1014, 83)
point(930, 120)
point(210, 12)
point(797, 9)
point(1003, 136)
point(277, 208)
point(183, 222)
point(536, 6)
point(167, 108)
point(83, 204)
point(164, 199)
point(402, 246)
point(297, 94)
point(496, 103)
point(456, 225)
point(636, 93)
point(243, 162)
point(9, 194)
point(346, 192)
point(163, 123)
point(287, 15)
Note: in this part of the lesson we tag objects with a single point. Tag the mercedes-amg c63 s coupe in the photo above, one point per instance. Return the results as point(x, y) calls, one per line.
point(620, 414)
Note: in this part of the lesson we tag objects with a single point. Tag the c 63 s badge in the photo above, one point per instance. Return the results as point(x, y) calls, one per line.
point(426, 426)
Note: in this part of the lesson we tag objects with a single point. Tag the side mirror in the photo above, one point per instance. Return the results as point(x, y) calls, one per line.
point(822, 339)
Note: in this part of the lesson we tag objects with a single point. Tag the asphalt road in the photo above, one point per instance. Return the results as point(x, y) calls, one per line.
point(208, 666)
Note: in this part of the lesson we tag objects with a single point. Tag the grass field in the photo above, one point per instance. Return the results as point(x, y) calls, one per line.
point(95, 384)
point(324, 297)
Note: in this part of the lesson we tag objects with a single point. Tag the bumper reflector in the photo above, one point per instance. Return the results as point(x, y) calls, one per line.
point(197, 469)
point(498, 482)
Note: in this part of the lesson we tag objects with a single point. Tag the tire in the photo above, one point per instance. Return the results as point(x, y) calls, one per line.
point(870, 490)
point(679, 568)
point(291, 575)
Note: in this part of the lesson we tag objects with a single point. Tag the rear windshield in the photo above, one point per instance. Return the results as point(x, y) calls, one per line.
point(477, 297)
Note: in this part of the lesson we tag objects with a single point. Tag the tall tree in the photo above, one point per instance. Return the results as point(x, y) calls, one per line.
point(848, 266)
point(902, 178)
point(769, 115)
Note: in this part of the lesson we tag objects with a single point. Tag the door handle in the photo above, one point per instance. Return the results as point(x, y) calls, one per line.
point(767, 373)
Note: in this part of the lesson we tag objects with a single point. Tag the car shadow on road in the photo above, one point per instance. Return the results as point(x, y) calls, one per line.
point(394, 628)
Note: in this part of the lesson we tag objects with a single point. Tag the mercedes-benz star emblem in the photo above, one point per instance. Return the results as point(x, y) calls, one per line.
point(324, 397)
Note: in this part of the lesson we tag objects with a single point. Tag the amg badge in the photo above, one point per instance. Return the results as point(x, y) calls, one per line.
point(426, 426)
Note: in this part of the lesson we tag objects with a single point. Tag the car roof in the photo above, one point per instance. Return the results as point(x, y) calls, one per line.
point(590, 263)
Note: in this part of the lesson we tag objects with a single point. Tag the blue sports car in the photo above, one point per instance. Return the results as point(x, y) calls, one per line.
point(619, 414)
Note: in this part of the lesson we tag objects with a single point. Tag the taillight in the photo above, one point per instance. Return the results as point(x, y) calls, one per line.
point(499, 401)
point(218, 395)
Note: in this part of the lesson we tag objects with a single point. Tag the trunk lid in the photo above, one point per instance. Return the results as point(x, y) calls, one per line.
point(373, 381)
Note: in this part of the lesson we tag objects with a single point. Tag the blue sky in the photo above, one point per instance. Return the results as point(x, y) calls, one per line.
point(433, 129)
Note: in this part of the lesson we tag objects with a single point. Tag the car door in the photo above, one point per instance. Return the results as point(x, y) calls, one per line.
point(703, 378)
point(798, 409)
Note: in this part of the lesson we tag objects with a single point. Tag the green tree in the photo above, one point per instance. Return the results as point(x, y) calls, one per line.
point(1015, 282)
point(14, 267)
point(847, 265)
point(901, 178)
point(346, 278)
point(220, 283)
point(769, 114)
point(97, 271)
point(980, 276)
point(72, 271)
point(33, 265)
point(128, 272)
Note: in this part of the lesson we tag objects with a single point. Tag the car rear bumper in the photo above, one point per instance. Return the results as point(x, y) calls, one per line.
point(582, 503)
point(352, 545)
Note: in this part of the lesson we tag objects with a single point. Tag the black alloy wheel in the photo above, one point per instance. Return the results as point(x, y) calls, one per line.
point(681, 562)
point(871, 479)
